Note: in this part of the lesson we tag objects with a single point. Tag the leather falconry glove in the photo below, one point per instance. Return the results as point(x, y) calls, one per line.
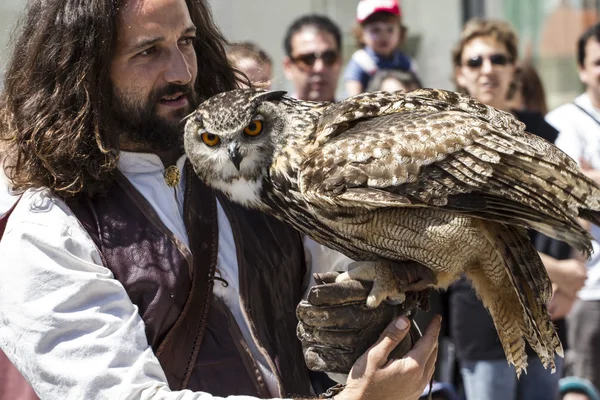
point(336, 326)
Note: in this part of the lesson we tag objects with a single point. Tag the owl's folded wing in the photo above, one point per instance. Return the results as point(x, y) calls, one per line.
point(454, 160)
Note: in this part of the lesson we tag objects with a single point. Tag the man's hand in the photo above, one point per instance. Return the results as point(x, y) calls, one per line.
point(374, 376)
point(589, 171)
point(561, 303)
point(569, 275)
point(340, 333)
point(336, 326)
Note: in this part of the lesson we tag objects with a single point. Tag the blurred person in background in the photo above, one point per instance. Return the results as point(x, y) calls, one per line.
point(390, 80)
point(528, 102)
point(379, 36)
point(579, 126)
point(529, 92)
point(484, 64)
point(574, 388)
point(313, 47)
point(253, 61)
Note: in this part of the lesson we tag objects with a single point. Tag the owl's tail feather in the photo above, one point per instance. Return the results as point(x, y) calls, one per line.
point(540, 177)
point(571, 192)
point(514, 286)
point(544, 191)
point(591, 215)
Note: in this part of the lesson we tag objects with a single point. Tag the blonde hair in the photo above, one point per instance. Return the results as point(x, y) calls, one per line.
point(502, 31)
point(499, 30)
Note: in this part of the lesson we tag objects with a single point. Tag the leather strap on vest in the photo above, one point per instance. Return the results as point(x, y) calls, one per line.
point(203, 235)
point(171, 288)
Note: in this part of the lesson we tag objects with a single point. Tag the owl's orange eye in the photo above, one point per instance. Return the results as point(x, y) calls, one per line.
point(210, 140)
point(254, 128)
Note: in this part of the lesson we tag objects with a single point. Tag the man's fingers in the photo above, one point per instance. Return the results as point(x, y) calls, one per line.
point(583, 164)
point(430, 364)
point(393, 334)
point(407, 343)
point(427, 345)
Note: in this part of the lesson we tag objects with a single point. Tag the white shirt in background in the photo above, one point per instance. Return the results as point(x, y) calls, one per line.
point(579, 137)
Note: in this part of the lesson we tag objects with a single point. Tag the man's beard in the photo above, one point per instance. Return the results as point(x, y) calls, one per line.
point(140, 124)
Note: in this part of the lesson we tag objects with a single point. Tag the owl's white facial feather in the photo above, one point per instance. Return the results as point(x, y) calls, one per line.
point(241, 191)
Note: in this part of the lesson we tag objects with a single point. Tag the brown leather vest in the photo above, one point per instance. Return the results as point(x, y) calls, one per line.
point(195, 338)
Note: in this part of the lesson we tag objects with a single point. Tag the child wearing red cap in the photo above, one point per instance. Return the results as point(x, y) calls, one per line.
point(379, 36)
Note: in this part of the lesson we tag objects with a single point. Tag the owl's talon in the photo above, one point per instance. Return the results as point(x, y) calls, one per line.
point(397, 299)
point(344, 276)
point(373, 301)
point(390, 280)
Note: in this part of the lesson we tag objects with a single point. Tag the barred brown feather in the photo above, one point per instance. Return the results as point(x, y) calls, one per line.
point(429, 176)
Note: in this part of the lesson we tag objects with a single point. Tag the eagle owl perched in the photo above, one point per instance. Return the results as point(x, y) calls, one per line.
point(429, 176)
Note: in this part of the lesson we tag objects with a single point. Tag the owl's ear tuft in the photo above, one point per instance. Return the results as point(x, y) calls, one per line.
point(272, 95)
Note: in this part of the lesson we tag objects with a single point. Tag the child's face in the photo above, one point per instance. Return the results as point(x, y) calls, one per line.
point(382, 36)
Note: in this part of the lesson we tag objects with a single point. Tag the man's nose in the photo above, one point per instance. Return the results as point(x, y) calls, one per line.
point(178, 69)
point(319, 65)
point(487, 66)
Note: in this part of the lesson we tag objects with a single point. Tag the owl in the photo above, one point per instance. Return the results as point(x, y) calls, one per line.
point(429, 177)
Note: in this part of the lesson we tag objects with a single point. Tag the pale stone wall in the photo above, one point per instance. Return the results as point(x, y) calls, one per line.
point(9, 10)
point(433, 25)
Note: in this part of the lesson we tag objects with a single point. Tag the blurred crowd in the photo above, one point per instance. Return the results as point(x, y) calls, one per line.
point(487, 67)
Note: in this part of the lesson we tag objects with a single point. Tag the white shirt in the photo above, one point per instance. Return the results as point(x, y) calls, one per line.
point(579, 137)
point(69, 326)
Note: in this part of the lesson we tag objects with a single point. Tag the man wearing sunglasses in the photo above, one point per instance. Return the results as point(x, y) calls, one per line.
point(312, 63)
point(579, 125)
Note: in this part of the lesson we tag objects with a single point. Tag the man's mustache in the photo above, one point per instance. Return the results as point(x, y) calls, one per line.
point(172, 89)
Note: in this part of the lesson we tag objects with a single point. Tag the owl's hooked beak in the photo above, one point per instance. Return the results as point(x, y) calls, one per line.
point(234, 155)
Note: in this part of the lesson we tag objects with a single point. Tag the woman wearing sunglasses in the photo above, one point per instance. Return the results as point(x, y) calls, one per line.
point(484, 65)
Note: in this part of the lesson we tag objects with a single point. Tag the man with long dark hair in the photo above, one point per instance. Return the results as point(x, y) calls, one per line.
point(122, 276)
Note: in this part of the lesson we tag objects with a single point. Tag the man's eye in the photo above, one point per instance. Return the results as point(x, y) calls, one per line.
point(147, 52)
point(188, 40)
